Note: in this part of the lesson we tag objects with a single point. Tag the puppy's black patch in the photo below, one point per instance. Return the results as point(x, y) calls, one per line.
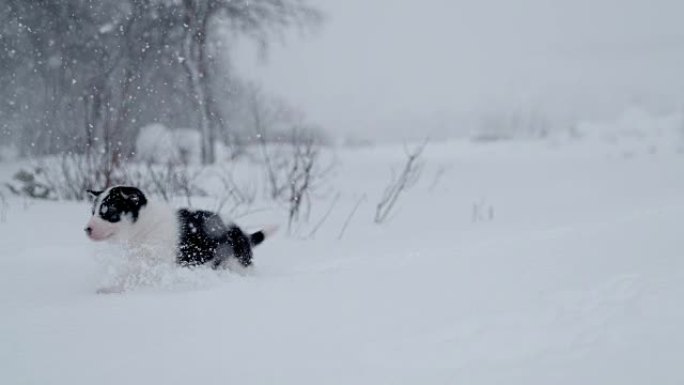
point(119, 201)
point(257, 238)
point(204, 237)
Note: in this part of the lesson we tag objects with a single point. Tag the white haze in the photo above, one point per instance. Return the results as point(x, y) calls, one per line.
point(407, 68)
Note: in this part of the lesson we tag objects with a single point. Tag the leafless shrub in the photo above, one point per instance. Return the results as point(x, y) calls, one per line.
point(167, 181)
point(70, 175)
point(290, 151)
point(501, 124)
point(240, 197)
point(441, 171)
point(26, 183)
point(268, 117)
point(282, 135)
point(399, 183)
point(302, 174)
point(4, 206)
point(276, 166)
point(325, 216)
point(294, 170)
point(65, 177)
point(482, 212)
point(350, 216)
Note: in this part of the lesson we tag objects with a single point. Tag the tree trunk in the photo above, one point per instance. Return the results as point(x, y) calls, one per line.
point(195, 57)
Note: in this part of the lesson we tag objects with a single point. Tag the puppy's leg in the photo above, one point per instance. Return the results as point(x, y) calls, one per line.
point(242, 250)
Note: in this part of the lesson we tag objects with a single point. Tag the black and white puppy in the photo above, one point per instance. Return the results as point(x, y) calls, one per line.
point(190, 237)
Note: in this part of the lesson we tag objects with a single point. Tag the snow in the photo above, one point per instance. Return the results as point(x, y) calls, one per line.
point(576, 279)
point(8, 153)
point(158, 144)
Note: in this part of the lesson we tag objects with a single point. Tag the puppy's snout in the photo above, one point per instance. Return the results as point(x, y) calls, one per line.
point(88, 230)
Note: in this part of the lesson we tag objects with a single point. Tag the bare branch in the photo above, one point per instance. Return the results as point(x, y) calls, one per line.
point(351, 214)
point(4, 206)
point(399, 183)
point(325, 216)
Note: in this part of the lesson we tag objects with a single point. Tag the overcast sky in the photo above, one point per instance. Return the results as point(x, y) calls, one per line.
point(382, 68)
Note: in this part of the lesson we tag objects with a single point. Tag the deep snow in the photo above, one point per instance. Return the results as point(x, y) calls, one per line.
point(577, 278)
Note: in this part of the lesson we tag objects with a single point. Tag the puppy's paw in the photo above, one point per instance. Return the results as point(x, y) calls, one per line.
point(234, 266)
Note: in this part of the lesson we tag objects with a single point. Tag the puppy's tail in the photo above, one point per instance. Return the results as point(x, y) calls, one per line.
point(259, 236)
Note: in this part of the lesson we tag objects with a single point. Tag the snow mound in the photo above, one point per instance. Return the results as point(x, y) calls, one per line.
point(158, 144)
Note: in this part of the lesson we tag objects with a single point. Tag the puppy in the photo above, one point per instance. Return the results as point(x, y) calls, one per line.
point(190, 237)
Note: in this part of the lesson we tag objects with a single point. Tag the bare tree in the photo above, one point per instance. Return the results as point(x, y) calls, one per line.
point(399, 183)
point(257, 18)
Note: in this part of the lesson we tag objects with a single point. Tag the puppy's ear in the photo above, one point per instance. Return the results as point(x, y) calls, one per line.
point(133, 194)
point(94, 193)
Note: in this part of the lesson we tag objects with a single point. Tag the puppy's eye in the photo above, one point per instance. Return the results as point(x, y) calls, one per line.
point(104, 209)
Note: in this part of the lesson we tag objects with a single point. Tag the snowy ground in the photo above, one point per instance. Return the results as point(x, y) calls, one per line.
point(577, 279)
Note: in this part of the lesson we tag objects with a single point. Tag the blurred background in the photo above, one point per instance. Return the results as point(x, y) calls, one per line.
point(78, 74)
point(392, 69)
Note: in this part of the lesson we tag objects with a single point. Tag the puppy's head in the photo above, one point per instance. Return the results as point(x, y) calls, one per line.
point(115, 210)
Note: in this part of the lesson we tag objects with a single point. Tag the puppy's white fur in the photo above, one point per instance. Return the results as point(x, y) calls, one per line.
point(152, 238)
point(155, 230)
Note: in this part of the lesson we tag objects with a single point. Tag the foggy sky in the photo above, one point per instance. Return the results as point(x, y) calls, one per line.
point(406, 68)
